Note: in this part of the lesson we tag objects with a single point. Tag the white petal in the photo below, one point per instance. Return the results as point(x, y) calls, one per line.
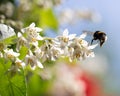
point(23, 30)
point(30, 53)
point(39, 64)
point(38, 29)
point(35, 43)
point(72, 36)
point(84, 43)
point(92, 46)
point(52, 58)
point(16, 54)
point(32, 25)
point(39, 37)
point(19, 34)
point(65, 32)
point(83, 35)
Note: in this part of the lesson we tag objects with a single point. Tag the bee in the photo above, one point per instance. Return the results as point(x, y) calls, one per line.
point(99, 35)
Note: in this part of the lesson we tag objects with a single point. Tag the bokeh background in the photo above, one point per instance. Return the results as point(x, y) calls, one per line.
point(97, 76)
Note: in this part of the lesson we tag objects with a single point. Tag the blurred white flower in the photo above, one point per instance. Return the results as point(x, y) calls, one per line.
point(68, 85)
point(10, 54)
point(48, 3)
point(67, 16)
point(25, 5)
point(97, 66)
point(7, 8)
point(45, 3)
point(45, 74)
point(71, 16)
point(33, 61)
point(88, 14)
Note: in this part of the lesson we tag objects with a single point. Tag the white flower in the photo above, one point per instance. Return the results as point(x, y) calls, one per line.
point(19, 63)
point(65, 38)
point(33, 61)
point(54, 53)
point(64, 41)
point(80, 49)
point(16, 66)
point(10, 54)
point(38, 52)
point(31, 27)
point(49, 51)
point(32, 33)
point(67, 16)
point(82, 36)
point(22, 41)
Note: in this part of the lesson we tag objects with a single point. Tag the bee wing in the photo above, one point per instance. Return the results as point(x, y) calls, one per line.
point(6, 31)
point(88, 32)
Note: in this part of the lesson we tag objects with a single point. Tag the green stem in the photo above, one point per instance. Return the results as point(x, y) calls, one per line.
point(25, 81)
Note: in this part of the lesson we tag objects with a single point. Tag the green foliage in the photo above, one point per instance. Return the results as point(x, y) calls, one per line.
point(9, 40)
point(13, 82)
point(44, 18)
point(23, 52)
point(48, 19)
point(37, 86)
point(11, 85)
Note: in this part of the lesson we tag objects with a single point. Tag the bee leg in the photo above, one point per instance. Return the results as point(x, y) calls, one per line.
point(101, 43)
point(92, 41)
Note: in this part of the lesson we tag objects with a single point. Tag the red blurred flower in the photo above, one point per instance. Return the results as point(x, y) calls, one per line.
point(93, 86)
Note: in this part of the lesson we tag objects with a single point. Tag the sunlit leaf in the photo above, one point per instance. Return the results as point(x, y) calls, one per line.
point(23, 52)
point(48, 19)
point(9, 40)
point(11, 86)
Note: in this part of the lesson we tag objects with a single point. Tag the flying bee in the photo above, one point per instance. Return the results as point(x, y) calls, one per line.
point(98, 35)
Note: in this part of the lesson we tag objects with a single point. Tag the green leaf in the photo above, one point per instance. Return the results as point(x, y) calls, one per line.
point(11, 86)
point(48, 19)
point(9, 40)
point(23, 52)
point(37, 86)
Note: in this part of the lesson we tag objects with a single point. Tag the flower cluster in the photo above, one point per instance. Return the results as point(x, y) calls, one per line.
point(71, 46)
